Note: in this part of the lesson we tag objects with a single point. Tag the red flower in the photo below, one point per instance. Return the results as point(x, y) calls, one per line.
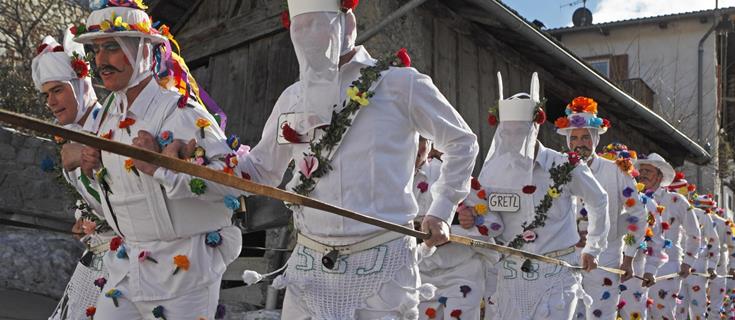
point(665, 225)
point(423, 186)
point(285, 19)
point(540, 116)
point(431, 313)
point(483, 230)
point(475, 184)
point(115, 243)
point(607, 282)
point(679, 175)
point(41, 48)
point(124, 124)
point(73, 30)
point(529, 189)
point(91, 311)
point(606, 123)
point(573, 158)
point(402, 54)
point(349, 4)
point(80, 68)
point(456, 313)
point(482, 195)
point(290, 134)
point(58, 49)
point(492, 120)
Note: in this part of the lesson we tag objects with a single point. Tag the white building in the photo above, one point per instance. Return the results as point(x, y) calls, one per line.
point(656, 59)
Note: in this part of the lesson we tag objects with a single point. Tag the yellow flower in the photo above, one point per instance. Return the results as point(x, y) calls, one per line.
point(553, 192)
point(203, 123)
point(357, 96)
point(144, 26)
point(640, 187)
point(105, 25)
point(140, 4)
point(481, 209)
point(609, 156)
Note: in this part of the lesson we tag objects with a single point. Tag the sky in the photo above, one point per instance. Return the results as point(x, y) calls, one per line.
point(558, 13)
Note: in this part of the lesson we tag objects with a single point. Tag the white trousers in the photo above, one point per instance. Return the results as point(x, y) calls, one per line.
point(693, 295)
point(717, 290)
point(605, 290)
point(195, 305)
point(665, 293)
point(544, 292)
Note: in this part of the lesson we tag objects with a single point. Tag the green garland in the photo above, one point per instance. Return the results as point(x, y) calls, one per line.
point(561, 175)
point(359, 94)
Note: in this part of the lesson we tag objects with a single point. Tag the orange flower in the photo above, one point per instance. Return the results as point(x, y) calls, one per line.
point(181, 262)
point(649, 232)
point(562, 123)
point(583, 104)
point(482, 194)
point(660, 209)
point(129, 165)
point(630, 202)
point(203, 123)
point(625, 165)
point(126, 123)
point(107, 135)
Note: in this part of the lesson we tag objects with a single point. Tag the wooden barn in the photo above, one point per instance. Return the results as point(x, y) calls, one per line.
point(241, 54)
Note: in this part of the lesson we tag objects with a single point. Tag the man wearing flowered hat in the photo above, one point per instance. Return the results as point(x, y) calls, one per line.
point(582, 129)
point(533, 189)
point(363, 161)
point(693, 292)
point(176, 235)
point(680, 228)
point(651, 255)
point(61, 74)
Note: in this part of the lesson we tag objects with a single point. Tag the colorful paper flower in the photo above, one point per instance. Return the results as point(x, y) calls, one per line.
point(213, 239)
point(562, 123)
point(578, 122)
point(197, 186)
point(158, 313)
point(129, 166)
point(529, 189)
point(100, 282)
point(202, 124)
point(220, 312)
point(233, 141)
point(598, 313)
point(465, 290)
point(529, 236)
point(402, 54)
point(90, 311)
point(290, 134)
point(181, 262)
point(430, 313)
point(125, 124)
point(553, 193)
point(475, 184)
point(495, 226)
point(285, 19)
point(442, 301)
point(232, 202)
point(145, 255)
point(632, 228)
point(456, 313)
point(165, 138)
point(630, 202)
point(115, 243)
point(80, 67)
point(492, 120)
point(114, 294)
point(573, 158)
point(665, 225)
point(628, 192)
point(308, 165)
point(355, 95)
point(107, 135)
point(629, 239)
point(481, 209)
point(88, 226)
point(483, 230)
point(422, 186)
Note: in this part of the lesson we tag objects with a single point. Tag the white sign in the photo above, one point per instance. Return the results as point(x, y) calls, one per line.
point(504, 202)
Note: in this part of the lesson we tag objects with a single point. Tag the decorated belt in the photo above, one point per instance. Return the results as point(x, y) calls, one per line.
point(560, 253)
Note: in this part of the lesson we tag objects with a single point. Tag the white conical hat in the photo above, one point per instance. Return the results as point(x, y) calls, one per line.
point(516, 108)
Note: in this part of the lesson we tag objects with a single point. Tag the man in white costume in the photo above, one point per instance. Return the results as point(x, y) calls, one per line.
point(533, 188)
point(634, 301)
point(693, 292)
point(718, 286)
point(680, 228)
point(341, 268)
point(176, 235)
point(582, 129)
point(61, 74)
point(458, 271)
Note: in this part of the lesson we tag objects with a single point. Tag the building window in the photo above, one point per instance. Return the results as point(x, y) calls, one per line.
point(602, 66)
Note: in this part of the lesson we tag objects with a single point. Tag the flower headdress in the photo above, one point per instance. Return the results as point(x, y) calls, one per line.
point(581, 113)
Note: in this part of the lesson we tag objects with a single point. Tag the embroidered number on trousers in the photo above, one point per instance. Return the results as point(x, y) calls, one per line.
point(381, 252)
point(307, 261)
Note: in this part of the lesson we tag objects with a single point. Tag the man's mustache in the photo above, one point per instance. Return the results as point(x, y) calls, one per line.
point(107, 68)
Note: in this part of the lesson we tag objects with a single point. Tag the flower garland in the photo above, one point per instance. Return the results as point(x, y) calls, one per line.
point(561, 175)
point(359, 94)
point(539, 116)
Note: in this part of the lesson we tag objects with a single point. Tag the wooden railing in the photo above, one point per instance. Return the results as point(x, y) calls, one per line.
point(639, 90)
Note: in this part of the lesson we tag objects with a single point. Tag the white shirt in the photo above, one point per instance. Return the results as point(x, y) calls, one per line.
point(161, 214)
point(423, 180)
point(625, 221)
point(683, 227)
point(373, 168)
point(560, 231)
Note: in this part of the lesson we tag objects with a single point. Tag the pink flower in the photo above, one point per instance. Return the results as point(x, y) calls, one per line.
point(199, 161)
point(529, 236)
point(145, 255)
point(423, 186)
point(243, 151)
point(308, 165)
point(88, 226)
